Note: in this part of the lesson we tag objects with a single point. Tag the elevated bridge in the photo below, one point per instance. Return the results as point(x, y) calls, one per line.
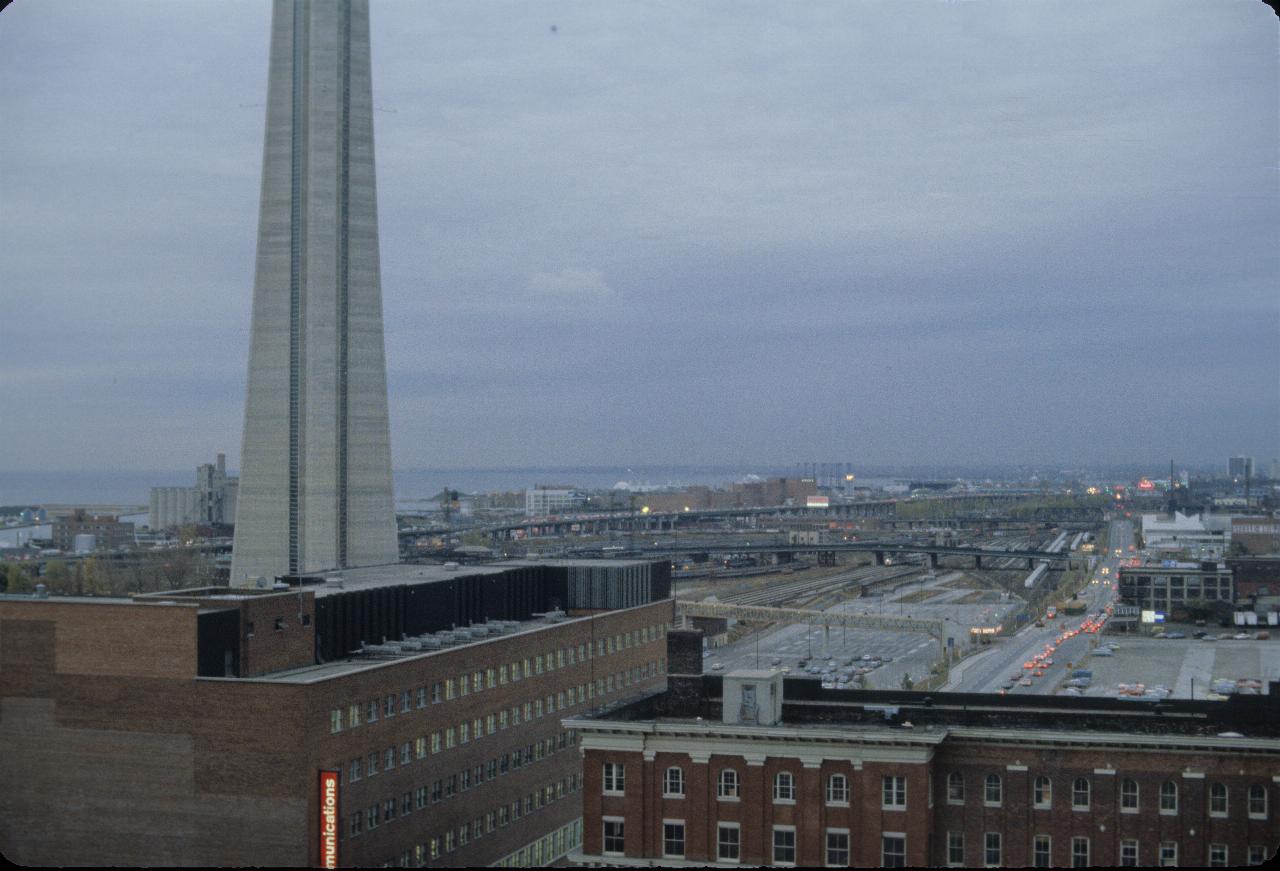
point(882, 551)
point(639, 519)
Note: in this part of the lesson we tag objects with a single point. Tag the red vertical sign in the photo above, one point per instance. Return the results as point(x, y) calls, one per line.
point(328, 819)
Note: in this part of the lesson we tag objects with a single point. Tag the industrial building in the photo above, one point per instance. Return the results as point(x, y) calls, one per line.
point(211, 501)
point(754, 768)
point(1171, 585)
point(402, 715)
point(82, 532)
point(546, 501)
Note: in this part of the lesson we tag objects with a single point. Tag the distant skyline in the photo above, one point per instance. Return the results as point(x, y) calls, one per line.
point(911, 234)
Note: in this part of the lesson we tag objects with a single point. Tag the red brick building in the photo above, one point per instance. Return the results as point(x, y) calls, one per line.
point(192, 728)
point(756, 769)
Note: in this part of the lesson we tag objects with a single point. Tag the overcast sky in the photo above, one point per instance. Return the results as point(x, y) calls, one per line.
point(672, 232)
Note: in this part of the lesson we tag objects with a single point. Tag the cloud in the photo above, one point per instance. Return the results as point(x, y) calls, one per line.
point(572, 285)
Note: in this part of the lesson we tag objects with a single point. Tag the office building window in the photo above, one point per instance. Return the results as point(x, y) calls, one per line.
point(673, 838)
point(728, 842)
point(1217, 800)
point(1257, 802)
point(1042, 792)
point(335, 720)
point(673, 782)
point(992, 792)
point(893, 792)
point(1129, 795)
point(727, 785)
point(893, 850)
point(1168, 797)
point(837, 848)
point(614, 778)
point(614, 841)
point(784, 845)
point(1041, 848)
point(955, 788)
point(1129, 853)
point(838, 789)
point(1217, 855)
point(1080, 794)
point(1079, 852)
point(784, 787)
point(1168, 854)
point(955, 849)
point(1257, 854)
point(991, 850)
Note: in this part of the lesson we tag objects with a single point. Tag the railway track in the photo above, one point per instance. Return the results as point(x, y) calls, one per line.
point(781, 594)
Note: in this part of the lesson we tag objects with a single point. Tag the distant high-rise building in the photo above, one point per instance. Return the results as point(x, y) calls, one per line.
point(315, 477)
point(1240, 467)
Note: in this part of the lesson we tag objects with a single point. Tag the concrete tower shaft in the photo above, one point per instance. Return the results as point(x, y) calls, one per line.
point(315, 478)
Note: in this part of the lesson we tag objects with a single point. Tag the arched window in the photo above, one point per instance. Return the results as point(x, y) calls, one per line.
point(727, 784)
point(1043, 792)
point(837, 789)
point(1080, 794)
point(784, 786)
point(673, 781)
point(1128, 795)
point(992, 793)
point(1257, 801)
point(1217, 800)
point(955, 787)
point(1168, 797)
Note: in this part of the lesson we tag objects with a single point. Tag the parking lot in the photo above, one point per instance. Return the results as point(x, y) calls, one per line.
point(1185, 666)
point(909, 653)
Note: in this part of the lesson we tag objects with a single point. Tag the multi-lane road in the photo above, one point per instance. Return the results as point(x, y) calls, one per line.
point(995, 668)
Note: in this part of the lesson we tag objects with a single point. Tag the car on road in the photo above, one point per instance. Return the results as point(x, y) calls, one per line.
point(1241, 636)
point(1026, 682)
point(1008, 686)
point(717, 666)
point(1103, 651)
point(1175, 635)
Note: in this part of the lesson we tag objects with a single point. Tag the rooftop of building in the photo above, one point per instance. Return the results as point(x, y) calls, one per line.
point(399, 574)
point(696, 702)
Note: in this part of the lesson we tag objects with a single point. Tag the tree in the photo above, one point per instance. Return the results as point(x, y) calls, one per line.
point(907, 683)
point(16, 580)
point(56, 577)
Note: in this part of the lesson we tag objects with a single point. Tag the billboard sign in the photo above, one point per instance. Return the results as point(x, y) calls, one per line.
point(328, 819)
point(817, 502)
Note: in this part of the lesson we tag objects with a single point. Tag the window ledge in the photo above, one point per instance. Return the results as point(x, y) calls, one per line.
point(837, 804)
